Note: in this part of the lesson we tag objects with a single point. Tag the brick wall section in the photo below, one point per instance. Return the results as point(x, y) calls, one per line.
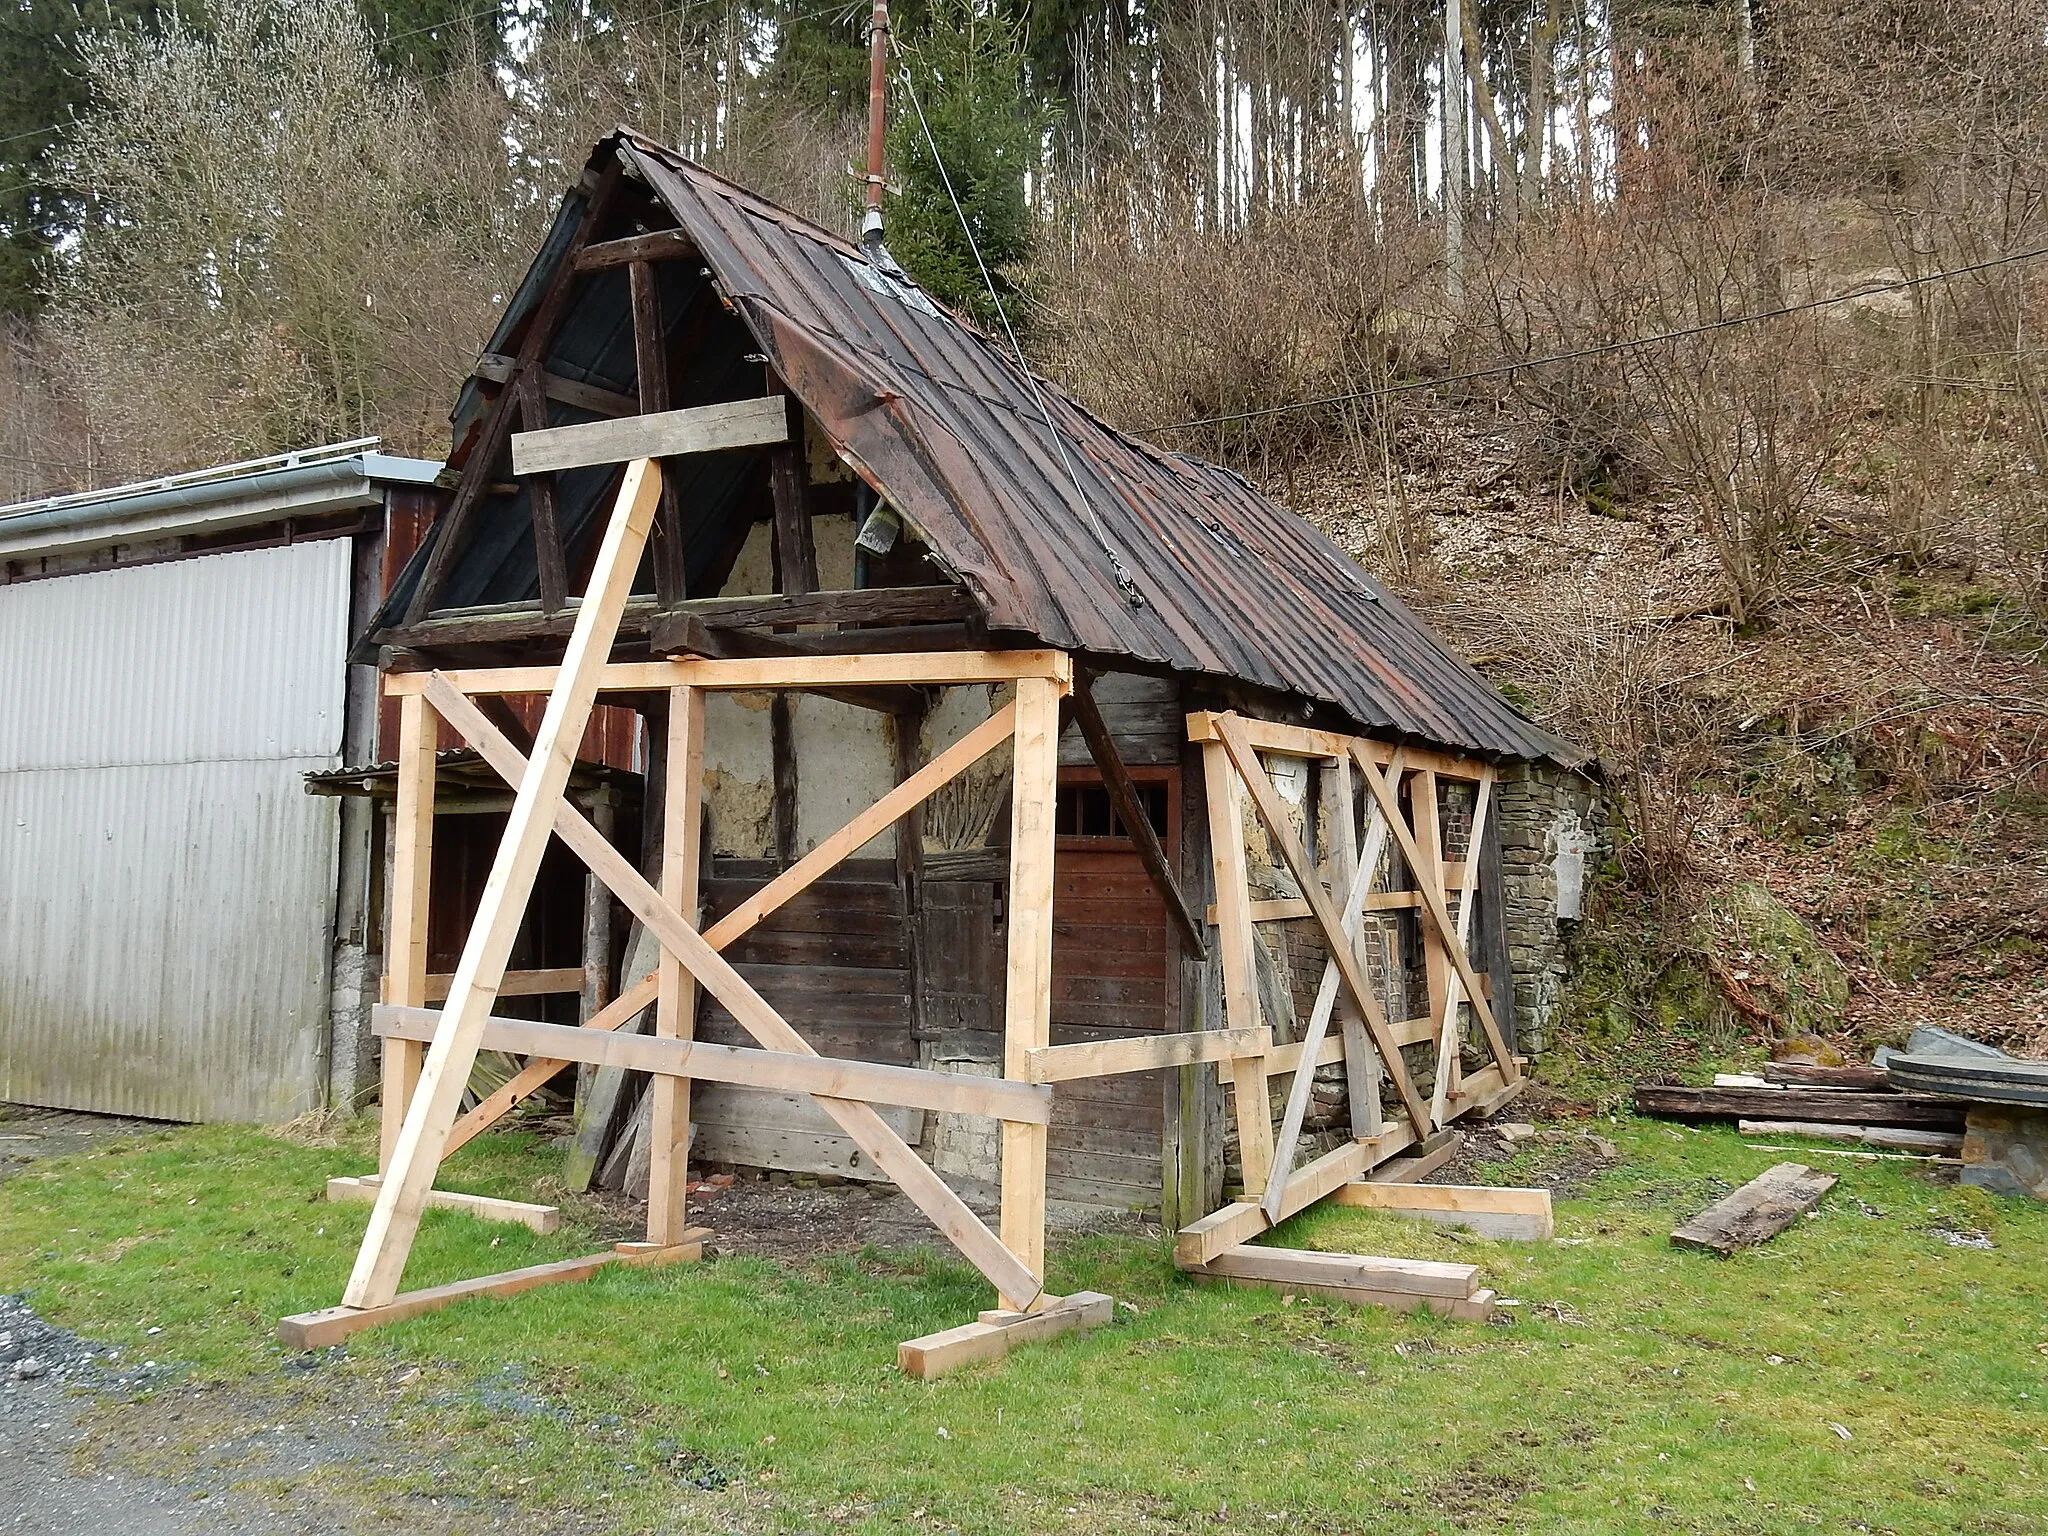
point(1544, 811)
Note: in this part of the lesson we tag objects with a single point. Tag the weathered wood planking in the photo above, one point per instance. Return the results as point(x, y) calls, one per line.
point(657, 435)
point(1757, 1212)
point(1927, 1110)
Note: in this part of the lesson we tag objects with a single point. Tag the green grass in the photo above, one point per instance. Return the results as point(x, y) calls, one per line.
point(1639, 1388)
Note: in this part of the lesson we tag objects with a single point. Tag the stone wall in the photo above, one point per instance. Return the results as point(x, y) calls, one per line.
point(1554, 834)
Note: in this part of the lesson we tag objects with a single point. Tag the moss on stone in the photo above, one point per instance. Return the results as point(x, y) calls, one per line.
point(1769, 963)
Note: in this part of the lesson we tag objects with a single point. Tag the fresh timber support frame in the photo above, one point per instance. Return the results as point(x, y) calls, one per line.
point(426, 1117)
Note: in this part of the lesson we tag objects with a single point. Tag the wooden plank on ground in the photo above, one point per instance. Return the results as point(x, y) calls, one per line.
point(998, 1333)
point(1795, 1074)
point(1476, 1308)
point(1897, 1137)
point(1757, 1212)
point(1521, 1215)
point(541, 1218)
point(1930, 1111)
point(331, 1325)
point(656, 435)
point(1352, 1271)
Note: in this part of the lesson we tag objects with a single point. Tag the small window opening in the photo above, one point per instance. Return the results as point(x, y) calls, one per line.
point(1085, 810)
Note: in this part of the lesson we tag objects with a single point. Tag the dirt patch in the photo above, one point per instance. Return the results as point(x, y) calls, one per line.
point(27, 1135)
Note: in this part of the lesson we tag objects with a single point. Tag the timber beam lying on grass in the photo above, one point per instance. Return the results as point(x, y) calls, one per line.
point(1520, 1215)
point(330, 1325)
point(998, 1332)
point(1757, 1212)
point(541, 1218)
point(1401, 1285)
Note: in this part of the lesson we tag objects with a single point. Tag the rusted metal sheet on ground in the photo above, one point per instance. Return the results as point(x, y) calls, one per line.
point(165, 882)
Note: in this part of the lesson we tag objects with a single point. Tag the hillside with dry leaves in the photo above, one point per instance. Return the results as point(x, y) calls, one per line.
point(1875, 757)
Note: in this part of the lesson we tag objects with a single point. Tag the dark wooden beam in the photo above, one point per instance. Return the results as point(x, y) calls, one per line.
point(497, 368)
point(650, 359)
point(796, 551)
point(868, 605)
point(661, 245)
point(782, 754)
point(1130, 810)
point(478, 472)
point(547, 533)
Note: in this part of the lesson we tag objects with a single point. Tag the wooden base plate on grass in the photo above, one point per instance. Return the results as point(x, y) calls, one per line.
point(330, 1325)
point(998, 1332)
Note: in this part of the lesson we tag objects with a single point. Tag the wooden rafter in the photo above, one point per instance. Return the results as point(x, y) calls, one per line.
point(481, 467)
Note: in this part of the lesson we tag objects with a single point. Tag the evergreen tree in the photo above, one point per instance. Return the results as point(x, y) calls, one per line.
point(966, 66)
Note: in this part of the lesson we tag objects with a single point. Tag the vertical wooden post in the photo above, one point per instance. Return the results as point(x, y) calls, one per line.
point(412, 867)
point(1234, 940)
point(1429, 874)
point(1361, 1059)
point(1027, 1015)
point(675, 1010)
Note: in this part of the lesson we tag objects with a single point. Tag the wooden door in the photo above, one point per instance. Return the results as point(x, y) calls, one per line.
point(1115, 972)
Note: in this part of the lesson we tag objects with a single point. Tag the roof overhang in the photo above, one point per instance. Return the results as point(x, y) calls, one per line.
point(206, 502)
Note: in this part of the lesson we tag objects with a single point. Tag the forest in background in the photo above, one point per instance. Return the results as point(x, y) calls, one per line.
point(1681, 361)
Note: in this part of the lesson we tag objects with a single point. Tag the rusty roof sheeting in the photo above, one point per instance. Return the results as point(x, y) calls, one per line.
point(955, 435)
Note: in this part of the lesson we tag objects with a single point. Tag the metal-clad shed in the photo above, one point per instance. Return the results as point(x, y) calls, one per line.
point(175, 656)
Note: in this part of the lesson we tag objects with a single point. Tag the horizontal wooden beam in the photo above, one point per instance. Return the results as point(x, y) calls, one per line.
point(1288, 910)
point(541, 1218)
point(1304, 741)
point(895, 668)
point(1521, 1215)
point(1242, 1220)
point(1352, 1271)
point(517, 983)
point(864, 605)
point(997, 1333)
point(656, 435)
point(1142, 1053)
point(661, 245)
point(785, 1071)
point(331, 1325)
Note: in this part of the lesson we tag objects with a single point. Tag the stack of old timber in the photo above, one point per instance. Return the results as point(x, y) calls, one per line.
point(1855, 1104)
point(1401, 1285)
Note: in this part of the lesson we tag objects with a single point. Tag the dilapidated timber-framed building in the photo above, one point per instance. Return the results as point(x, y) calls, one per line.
point(1114, 838)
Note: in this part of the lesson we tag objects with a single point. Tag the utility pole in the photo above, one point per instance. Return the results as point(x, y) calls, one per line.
point(878, 50)
point(1454, 153)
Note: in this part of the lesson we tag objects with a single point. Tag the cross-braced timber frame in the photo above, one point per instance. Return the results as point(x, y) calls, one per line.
point(429, 1053)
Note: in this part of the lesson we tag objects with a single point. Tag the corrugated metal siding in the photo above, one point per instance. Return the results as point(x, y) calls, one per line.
point(166, 886)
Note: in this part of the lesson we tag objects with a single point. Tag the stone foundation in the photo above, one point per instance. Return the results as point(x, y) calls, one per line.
point(2005, 1150)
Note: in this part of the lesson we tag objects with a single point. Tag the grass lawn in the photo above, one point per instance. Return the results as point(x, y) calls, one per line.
point(1859, 1373)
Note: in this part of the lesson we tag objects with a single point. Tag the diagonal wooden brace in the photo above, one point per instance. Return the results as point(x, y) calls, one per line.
point(1266, 800)
point(1447, 1036)
point(416, 1155)
point(1319, 1019)
point(868, 1131)
point(1433, 904)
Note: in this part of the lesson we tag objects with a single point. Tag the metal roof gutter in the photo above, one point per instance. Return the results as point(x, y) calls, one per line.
point(208, 501)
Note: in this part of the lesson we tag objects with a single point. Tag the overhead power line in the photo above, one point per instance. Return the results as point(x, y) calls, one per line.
point(1518, 365)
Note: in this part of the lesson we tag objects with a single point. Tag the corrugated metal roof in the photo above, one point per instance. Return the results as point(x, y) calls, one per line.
point(985, 461)
point(952, 432)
